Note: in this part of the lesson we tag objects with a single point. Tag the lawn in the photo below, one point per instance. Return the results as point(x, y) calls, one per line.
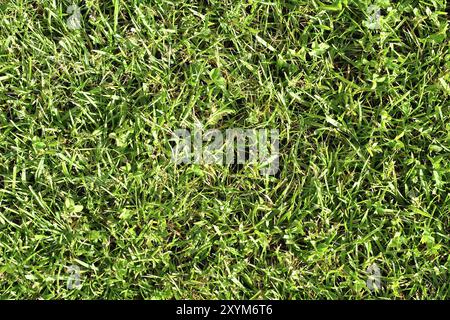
point(92, 204)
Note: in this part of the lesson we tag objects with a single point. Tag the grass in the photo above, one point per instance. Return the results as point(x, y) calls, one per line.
point(86, 177)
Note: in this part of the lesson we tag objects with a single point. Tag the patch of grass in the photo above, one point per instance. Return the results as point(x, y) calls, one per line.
point(86, 177)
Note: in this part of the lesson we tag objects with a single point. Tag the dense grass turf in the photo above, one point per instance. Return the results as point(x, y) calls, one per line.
point(86, 177)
